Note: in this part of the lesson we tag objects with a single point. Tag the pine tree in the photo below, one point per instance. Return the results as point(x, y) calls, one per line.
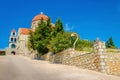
point(42, 36)
point(60, 42)
point(58, 27)
point(110, 43)
point(31, 41)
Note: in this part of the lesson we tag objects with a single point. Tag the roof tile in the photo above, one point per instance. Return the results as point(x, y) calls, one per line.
point(24, 31)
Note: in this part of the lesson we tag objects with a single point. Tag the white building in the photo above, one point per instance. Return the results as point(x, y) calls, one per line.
point(21, 40)
point(12, 43)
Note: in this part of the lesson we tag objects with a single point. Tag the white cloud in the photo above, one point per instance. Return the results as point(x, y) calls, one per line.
point(68, 28)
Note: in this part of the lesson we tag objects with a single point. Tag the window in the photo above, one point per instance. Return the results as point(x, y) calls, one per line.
point(13, 34)
point(11, 39)
point(14, 39)
point(13, 46)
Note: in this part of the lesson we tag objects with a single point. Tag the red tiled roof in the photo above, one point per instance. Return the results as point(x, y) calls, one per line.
point(24, 31)
point(40, 16)
point(13, 30)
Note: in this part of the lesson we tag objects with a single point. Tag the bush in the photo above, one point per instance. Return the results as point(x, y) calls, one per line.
point(2, 53)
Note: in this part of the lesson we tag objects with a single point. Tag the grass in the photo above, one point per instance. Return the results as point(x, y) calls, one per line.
point(112, 50)
point(86, 50)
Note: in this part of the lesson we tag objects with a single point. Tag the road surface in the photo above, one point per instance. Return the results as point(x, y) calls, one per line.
point(22, 68)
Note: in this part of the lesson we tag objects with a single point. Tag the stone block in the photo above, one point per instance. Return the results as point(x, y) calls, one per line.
point(102, 63)
point(102, 56)
point(102, 67)
point(103, 71)
point(100, 50)
point(103, 47)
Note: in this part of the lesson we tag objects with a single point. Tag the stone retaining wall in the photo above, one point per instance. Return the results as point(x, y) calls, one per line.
point(114, 63)
point(70, 57)
point(86, 61)
point(100, 60)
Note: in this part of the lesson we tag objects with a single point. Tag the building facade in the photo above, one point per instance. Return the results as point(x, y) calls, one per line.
point(18, 43)
point(23, 36)
point(12, 43)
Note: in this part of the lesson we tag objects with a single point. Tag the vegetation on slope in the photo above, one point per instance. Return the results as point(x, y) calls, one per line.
point(46, 39)
point(110, 44)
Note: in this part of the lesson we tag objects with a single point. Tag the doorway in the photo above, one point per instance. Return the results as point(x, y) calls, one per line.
point(13, 52)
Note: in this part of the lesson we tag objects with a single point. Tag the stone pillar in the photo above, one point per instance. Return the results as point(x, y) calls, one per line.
point(100, 49)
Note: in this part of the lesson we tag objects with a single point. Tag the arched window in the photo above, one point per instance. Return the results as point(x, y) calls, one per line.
point(13, 34)
point(11, 39)
point(13, 46)
point(14, 39)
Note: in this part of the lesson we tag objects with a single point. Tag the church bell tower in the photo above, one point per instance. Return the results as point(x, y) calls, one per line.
point(12, 43)
point(13, 39)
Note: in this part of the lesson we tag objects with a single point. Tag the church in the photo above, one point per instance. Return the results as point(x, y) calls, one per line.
point(18, 42)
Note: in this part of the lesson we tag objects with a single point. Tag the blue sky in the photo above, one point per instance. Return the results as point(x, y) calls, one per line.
point(89, 18)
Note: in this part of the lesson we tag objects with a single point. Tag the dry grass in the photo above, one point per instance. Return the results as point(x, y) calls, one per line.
point(113, 50)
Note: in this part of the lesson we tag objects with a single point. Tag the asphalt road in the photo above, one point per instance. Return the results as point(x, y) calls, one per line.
point(23, 68)
point(20, 68)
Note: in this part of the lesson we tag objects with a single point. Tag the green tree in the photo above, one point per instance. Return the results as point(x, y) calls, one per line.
point(46, 39)
point(31, 41)
point(42, 36)
point(60, 42)
point(110, 43)
point(58, 27)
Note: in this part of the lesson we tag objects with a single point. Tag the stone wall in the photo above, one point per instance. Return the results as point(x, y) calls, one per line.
point(9, 50)
point(100, 49)
point(47, 57)
point(100, 60)
point(109, 61)
point(79, 59)
point(114, 63)
point(22, 44)
point(87, 61)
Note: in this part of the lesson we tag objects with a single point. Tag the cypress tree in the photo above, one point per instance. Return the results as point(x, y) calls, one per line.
point(110, 43)
point(59, 27)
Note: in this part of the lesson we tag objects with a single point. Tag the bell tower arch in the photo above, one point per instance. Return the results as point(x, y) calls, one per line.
point(12, 42)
